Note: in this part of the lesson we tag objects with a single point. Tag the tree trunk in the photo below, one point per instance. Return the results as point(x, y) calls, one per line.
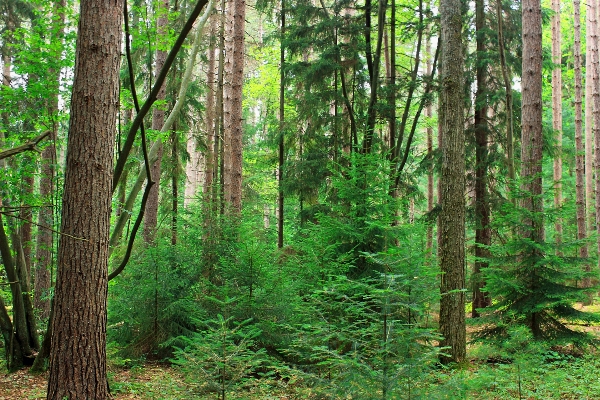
point(531, 131)
point(45, 239)
point(483, 234)
point(232, 103)
point(579, 147)
point(158, 118)
point(78, 350)
point(211, 78)
point(452, 182)
point(280, 197)
point(557, 112)
point(509, 102)
point(589, 123)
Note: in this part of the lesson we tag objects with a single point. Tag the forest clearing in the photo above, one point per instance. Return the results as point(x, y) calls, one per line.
point(299, 199)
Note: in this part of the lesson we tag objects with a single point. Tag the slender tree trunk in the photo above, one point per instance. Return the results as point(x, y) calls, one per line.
point(557, 111)
point(595, 59)
point(579, 147)
point(452, 182)
point(232, 104)
point(280, 197)
point(45, 239)
point(483, 235)
point(531, 130)
point(174, 185)
point(509, 101)
point(589, 122)
point(211, 78)
point(21, 337)
point(158, 118)
point(430, 184)
point(78, 350)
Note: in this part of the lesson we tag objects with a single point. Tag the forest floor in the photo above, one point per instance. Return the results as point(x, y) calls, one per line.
point(538, 373)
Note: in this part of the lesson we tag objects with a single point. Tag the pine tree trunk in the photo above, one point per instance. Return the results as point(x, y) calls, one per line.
point(232, 103)
point(281, 154)
point(483, 234)
point(589, 123)
point(595, 59)
point(557, 112)
point(78, 350)
point(211, 78)
point(579, 147)
point(531, 131)
point(45, 241)
point(452, 183)
point(158, 118)
point(428, 115)
point(509, 102)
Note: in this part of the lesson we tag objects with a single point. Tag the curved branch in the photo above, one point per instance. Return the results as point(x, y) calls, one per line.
point(137, 122)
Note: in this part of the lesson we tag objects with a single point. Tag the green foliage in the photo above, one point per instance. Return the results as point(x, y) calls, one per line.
point(220, 358)
point(534, 282)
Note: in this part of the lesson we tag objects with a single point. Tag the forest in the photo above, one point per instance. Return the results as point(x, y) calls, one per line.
point(299, 199)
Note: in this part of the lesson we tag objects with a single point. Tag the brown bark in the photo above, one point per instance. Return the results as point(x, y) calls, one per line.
point(211, 78)
point(281, 152)
point(595, 59)
point(509, 106)
point(232, 103)
point(78, 349)
point(452, 184)
point(579, 147)
point(483, 234)
point(158, 118)
point(531, 131)
point(589, 123)
point(557, 111)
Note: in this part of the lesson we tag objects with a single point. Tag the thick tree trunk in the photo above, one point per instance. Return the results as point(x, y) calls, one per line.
point(452, 183)
point(483, 235)
point(158, 118)
point(78, 350)
point(232, 103)
point(557, 112)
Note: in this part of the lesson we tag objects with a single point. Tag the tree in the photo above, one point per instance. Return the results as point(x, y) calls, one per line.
point(557, 110)
point(452, 184)
point(232, 103)
point(483, 234)
point(579, 146)
point(78, 349)
point(158, 117)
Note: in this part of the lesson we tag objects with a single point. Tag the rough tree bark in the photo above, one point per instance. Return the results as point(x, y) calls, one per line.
point(78, 349)
point(557, 111)
point(589, 136)
point(579, 147)
point(483, 234)
point(232, 104)
point(452, 184)
point(531, 129)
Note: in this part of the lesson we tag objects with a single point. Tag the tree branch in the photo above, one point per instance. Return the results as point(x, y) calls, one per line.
point(29, 146)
